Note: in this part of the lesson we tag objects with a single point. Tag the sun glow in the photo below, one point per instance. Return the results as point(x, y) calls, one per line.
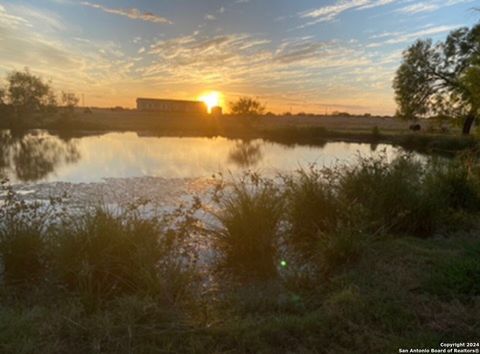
point(211, 99)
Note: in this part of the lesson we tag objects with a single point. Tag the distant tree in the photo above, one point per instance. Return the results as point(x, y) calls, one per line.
point(29, 94)
point(246, 106)
point(439, 79)
point(341, 114)
point(69, 101)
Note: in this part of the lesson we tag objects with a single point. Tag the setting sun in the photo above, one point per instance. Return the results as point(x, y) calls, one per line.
point(212, 99)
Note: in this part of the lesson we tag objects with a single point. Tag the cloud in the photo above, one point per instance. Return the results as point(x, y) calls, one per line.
point(331, 12)
point(430, 6)
point(12, 20)
point(130, 13)
point(419, 7)
point(243, 58)
point(399, 37)
point(32, 16)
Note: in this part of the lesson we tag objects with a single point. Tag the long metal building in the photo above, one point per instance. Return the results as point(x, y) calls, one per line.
point(166, 105)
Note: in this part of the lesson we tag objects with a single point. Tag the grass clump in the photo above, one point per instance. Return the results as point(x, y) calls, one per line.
point(312, 209)
point(24, 249)
point(321, 230)
point(247, 238)
point(103, 255)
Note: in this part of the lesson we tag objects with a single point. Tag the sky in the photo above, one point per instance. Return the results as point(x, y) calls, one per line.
point(293, 55)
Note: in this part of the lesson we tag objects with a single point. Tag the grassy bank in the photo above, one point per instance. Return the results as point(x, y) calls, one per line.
point(366, 258)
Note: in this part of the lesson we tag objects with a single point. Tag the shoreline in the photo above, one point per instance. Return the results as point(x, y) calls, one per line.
point(446, 145)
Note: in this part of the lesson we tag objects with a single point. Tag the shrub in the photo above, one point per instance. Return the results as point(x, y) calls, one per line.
point(246, 240)
point(103, 255)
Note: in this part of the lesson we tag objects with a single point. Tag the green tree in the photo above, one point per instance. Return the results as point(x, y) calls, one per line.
point(29, 94)
point(247, 106)
point(433, 79)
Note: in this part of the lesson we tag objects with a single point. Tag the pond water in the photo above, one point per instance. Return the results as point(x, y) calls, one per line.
point(39, 156)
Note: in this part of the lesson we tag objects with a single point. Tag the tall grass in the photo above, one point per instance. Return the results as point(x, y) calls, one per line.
point(23, 244)
point(325, 231)
point(312, 208)
point(103, 255)
point(456, 184)
point(320, 217)
point(246, 240)
point(391, 194)
point(333, 213)
point(97, 254)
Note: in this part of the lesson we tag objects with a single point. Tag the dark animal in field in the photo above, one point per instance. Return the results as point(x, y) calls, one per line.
point(415, 127)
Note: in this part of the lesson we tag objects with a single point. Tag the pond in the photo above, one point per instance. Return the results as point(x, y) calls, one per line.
point(39, 156)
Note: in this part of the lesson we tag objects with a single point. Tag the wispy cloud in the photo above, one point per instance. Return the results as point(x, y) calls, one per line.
point(331, 12)
point(133, 13)
point(419, 7)
point(430, 6)
point(11, 20)
point(33, 16)
point(399, 37)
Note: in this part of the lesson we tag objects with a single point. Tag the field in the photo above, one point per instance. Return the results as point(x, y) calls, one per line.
point(135, 120)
